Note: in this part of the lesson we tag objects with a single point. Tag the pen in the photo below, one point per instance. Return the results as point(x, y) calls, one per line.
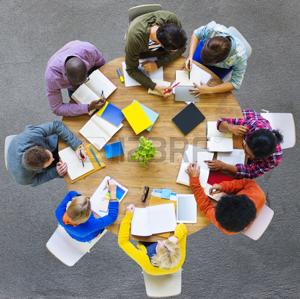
point(171, 87)
point(82, 157)
point(94, 155)
point(120, 74)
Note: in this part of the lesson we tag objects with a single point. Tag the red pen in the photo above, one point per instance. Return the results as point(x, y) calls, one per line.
point(171, 87)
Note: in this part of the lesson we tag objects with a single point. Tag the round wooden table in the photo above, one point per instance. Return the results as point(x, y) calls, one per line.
point(162, 171)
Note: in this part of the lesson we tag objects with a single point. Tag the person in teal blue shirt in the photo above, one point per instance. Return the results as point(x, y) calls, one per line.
point(213, 46)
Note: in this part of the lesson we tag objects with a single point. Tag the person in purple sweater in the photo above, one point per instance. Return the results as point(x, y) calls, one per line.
point(68, 68)
point(75, 216)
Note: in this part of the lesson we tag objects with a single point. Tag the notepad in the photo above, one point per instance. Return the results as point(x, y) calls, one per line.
point(100, 198)
point(153, 116)
point(113, 150)
point(157, 75)
point(216, 140)
point(111, 113)
point(186, 208)
point(137, 117)
point(75, 167)
point(237, 156)
point(197, 75)
point(194, 154)
point(188, 118)
point(92, 89)
point(153, 220)
point(99, 131)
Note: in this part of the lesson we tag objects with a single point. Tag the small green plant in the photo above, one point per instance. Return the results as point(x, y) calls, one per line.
point(144, 152)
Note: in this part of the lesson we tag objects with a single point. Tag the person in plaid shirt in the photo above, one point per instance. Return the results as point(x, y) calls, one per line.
point(261, 145)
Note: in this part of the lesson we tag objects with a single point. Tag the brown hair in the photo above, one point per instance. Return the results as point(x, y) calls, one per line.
point(215, 49)
point(35, 157)
point(79, 209)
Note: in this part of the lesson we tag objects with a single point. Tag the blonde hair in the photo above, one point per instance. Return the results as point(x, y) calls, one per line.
point(79, 209)
point(167, 256)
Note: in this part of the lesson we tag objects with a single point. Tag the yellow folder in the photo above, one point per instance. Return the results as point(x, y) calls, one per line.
point(137, 117)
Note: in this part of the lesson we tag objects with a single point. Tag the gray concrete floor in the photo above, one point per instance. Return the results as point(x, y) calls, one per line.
point(217, 266)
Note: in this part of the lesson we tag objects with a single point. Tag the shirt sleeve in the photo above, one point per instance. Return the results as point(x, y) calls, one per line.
point(205, 32)
point(57, 127)
point(55, 99)
point(235, 186)
point(233, 121)
point(43, 177)
point(238, 72)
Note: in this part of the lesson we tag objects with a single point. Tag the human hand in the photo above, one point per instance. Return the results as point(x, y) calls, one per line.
point(216, 165)
point(188, 63)
point(150, 66)
point(163, 91)
point(97, 104)
point(112, 187)
point(80, 153)
point(61, 168)
point(215, 188)
point(197, 90)
point(193, 170)
point(130, 208)
point(238, 130)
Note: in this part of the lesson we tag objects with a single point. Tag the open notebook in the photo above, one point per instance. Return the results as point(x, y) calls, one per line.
point(157, 75)
point(76, 170)
point(216, 140)
point(186, 208)
point(92, 89)
point(237, 156)
point(100, 198)
point(194, 154)
point(99, 131)
point(153, 220)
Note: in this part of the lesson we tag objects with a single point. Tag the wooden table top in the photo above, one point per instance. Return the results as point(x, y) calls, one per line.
point(162, 171)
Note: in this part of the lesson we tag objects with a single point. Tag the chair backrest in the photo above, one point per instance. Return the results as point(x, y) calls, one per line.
point(7, 142)
point(260, 224)
point(285, 124)
point(232, 30)
point(163, 285)
point(68, 250)
point(139, 10)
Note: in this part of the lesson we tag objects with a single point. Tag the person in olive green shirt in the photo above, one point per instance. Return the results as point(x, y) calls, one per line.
point(155, 34)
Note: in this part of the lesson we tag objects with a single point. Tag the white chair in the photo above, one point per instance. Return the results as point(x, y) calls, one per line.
point(7, 142)
point(139, 10)
point(68, 250)
point(163, 285)
point(285, 124)
point(260, 224)
point(232, 30)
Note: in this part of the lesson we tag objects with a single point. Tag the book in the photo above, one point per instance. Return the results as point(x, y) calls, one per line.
point(137, 117)
point(216, 140)
point(113, 150)
point(160, 83)
point(93, 88)
point(153, 220)
point(153, 116)
point(194, 154)
point(188, 118)
point(237, 156)
point(186, 211)
point(99, 131)
point(100, 198)
point(111, 113)
point(157, 75)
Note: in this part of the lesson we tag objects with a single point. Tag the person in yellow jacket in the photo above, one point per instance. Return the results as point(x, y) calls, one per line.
point(158, 258)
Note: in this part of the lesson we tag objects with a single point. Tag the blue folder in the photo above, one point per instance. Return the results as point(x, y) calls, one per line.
point(113, 150)
point(113, 114)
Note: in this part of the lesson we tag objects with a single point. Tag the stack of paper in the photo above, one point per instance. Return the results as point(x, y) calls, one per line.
point(218, 141)
point(75, 167)
point(186, 208)
point(99, 131)
point(137, 117)
point(100, 198)
point(93, 88)
point(193, 154)
point(153, 220)
point(157, 75)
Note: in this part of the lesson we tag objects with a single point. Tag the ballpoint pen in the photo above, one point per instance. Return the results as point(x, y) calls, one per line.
point(82, 157)
point(168, 89)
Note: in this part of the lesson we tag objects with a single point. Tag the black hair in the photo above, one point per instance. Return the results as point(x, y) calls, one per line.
point(235, 212)
point(262, 142)
point(171, 36)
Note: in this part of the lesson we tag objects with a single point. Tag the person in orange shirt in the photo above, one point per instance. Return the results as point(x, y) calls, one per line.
point(235, 210)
